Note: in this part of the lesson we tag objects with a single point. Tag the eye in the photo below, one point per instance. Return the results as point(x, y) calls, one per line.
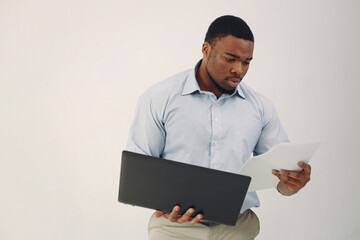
point(246, 63)
point(229, 59)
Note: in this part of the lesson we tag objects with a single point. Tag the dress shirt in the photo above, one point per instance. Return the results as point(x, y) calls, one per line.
point(176, 120)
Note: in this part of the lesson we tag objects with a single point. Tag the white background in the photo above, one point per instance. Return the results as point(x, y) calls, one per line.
point(72, 71)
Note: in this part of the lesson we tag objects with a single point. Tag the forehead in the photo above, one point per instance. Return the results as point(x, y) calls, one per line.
point(234, 45)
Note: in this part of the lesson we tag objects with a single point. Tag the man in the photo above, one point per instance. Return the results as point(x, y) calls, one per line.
point(208, 117)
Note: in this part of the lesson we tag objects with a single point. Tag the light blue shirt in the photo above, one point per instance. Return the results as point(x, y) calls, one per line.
point(176, 120)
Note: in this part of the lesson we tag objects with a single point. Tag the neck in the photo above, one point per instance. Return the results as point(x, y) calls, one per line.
point(205, 82)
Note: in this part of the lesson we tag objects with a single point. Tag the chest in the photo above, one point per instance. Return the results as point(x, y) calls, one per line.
point(201, 120)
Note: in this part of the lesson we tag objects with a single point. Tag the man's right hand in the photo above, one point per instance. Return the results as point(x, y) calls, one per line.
point(174, 216)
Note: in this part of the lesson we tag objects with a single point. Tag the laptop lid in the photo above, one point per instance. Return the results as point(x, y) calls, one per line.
point(161, 184)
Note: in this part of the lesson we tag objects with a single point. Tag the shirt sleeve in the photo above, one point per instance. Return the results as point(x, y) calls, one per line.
point(147, 133)
point(272, 132)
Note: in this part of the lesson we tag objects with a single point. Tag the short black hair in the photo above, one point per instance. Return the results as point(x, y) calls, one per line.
point(228, 25)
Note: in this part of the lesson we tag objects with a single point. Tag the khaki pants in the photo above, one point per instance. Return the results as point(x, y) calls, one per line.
point(247, 227)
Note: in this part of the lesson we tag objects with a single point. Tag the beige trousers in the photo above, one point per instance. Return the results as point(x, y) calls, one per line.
point(247, 227)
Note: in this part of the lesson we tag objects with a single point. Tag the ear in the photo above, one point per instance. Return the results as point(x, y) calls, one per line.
point(206, 49)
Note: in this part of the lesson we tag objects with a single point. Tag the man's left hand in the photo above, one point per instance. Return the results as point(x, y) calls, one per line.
point(291, 181)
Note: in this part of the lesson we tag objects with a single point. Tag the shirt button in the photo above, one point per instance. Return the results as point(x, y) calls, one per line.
point(216, 120)
point(215, 142)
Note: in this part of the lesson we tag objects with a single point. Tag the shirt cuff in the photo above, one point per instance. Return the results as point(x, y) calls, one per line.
point(282, 193)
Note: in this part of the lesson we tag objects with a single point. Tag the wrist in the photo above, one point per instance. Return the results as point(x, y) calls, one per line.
point(284, 190)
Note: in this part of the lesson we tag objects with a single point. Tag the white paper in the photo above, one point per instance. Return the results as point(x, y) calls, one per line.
point(281, 156)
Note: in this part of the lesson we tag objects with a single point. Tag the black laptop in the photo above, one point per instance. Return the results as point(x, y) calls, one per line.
point(161, 184)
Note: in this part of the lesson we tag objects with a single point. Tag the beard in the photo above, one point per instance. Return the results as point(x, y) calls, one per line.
point(221, 89)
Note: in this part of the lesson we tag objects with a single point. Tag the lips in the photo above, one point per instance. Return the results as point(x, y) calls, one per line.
point(233, 81)
point(236, 80)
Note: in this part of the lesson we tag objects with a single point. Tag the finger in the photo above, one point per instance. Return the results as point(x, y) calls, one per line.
point(159, 213)
point(196, 219)
point(287, 179)
point(186, 216)
point(291, 174)
point(174, 215)
point(302, 177)
point(306, 167)
point(276, 173)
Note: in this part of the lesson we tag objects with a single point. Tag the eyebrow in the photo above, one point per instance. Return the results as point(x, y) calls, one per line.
point(236, 56)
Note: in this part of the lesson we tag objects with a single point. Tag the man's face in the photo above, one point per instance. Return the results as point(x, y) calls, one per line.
point(227, 61)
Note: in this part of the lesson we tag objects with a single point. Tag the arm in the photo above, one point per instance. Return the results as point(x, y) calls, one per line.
point(273, 133)
point(148, 136)
point(147, 132)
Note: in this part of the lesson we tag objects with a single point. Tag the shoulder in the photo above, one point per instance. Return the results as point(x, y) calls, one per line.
point(160, 94)
point(168, 86)
point(259, 101)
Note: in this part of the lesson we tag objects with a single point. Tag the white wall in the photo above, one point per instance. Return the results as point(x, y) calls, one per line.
point(72, 71)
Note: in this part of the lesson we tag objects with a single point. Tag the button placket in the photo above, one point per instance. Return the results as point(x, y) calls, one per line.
point(216, 136)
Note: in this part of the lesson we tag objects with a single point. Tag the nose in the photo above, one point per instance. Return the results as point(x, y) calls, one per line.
point(239, 69)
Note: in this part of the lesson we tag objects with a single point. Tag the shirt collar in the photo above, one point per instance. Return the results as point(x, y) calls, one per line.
point(192, 85)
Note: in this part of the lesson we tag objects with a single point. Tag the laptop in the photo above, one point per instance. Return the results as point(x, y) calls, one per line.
point(161, 184)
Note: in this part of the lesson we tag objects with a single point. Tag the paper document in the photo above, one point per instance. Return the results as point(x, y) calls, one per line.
point(281, 156)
